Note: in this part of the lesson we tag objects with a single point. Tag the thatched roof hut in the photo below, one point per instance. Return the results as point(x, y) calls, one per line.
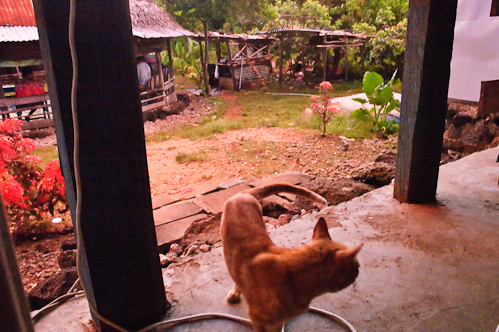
point(151, 21)
point(152, 25)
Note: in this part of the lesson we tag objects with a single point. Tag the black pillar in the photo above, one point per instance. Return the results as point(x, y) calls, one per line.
point(14, 315)
point(430, 36)
point(116, 213)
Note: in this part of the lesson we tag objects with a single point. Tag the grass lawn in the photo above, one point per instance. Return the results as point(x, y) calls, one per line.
point(266, 107)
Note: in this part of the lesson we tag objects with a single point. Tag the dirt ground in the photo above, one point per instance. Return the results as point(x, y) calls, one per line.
point(255, 153)
point(241, 154)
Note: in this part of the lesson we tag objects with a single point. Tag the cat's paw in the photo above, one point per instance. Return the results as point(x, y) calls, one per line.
point(234, 297)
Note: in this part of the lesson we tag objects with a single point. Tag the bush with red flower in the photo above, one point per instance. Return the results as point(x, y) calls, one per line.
point(321, 107)
point(30, 194)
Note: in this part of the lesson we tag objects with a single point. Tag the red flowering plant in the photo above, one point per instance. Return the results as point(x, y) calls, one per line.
point(321, 107)
point(30, 194)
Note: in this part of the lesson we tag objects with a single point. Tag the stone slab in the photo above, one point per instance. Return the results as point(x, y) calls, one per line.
point(191, 192)
point(291, 177)
point(214, 202)
point(276, 200)
point(231, 183)
point(174, 231)
point(288, 196)
point(163, 200)
point(175, 211)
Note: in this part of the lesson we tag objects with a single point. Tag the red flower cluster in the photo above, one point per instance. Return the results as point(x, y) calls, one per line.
point(52, 178)
point(29, 192)
point(325, 85)
point(322, 108)
point(11, 190)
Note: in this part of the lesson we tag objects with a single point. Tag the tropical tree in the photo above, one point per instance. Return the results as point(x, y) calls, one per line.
point(295, 15)
point(208, 15)
point(378, 13)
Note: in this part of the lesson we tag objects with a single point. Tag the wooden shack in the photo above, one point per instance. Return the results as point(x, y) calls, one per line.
point(323, 39)
point(247, 62)
point(152, 29)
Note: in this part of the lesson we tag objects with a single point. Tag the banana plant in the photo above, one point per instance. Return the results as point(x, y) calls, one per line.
point(380, 96)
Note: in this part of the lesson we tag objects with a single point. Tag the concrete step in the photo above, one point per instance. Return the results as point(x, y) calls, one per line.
point(214, 202)
point(174, 231)
point(175, 211)
point(163, 200)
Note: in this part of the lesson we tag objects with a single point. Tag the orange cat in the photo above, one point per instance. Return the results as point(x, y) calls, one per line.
point(279, 283)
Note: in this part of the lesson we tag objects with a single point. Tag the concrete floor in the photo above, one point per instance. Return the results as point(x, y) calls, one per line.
point(423, 267)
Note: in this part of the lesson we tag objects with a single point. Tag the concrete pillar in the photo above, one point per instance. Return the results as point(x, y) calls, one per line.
point(430, 35)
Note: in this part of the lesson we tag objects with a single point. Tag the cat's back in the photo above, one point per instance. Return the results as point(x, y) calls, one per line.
point(242, 222)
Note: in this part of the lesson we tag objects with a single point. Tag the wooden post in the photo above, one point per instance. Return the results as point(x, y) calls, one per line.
point(430, 36)
point(362, 50)
point(281, 56)
point(201, 58)
point(489, 100)
point(228, 52)
point(123, 270)
point(160, 70)
point(217, 50)
point(494, 11)
point(231, 67)
point(206, 60)
point(170, 59)
point(324, 59)
point(347, 63)
point(2, 94)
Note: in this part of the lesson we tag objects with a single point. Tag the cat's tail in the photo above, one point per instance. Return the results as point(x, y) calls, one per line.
point(276, 188)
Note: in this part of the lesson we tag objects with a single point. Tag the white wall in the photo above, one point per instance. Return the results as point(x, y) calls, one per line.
point(475, 56)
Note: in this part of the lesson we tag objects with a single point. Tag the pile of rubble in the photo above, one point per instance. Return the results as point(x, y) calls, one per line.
point(467, 132)
point(188, 109)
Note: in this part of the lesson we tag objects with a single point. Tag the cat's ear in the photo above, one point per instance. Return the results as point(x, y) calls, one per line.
point(320, 230)
point(349, 253)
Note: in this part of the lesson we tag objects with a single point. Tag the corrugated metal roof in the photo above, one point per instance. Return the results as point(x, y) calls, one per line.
point(17, 21)
point(328, 32)
point(17, 12)
point(238, 36)
point(18, 33)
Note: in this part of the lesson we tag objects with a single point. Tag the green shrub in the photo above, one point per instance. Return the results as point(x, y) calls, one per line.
point(380, 96)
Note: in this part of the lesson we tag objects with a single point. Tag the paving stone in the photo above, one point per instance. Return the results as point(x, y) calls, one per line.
point(174, 231)
point(175, 211)
point(288, 196)
point(214, 202)
point(191, 192)
point(231, 183)
point(273, 206)
point(291, 177)
point(276, 200)
point(163, 200)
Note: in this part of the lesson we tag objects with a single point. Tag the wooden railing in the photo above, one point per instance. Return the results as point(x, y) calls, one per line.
point(151, 99)
point(159, 97)
point(28, 103)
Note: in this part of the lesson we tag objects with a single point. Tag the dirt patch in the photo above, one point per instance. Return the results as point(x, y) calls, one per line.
point(235, 111)
point(38, 258)
point(255, 153)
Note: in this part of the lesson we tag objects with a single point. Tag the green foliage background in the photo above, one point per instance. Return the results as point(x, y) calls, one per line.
point(384, 20)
